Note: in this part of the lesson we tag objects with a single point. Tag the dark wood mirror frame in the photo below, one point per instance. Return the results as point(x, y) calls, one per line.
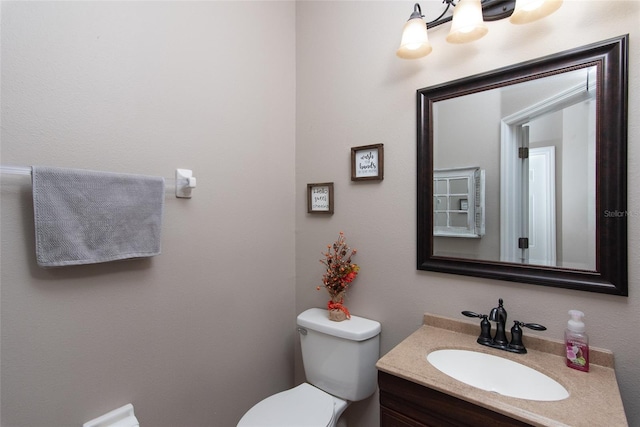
point(610, 276)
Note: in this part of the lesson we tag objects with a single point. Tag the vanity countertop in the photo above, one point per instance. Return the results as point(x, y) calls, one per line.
point(594, 398)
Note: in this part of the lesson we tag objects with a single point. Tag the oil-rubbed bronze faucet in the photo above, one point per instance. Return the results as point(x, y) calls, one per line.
point(499, 315)
point(499, 340)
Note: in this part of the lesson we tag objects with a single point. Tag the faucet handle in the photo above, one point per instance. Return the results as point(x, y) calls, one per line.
point(534, 326)
point(472, 314)
point(516, 338)
point(516, 335)
point(485, 327)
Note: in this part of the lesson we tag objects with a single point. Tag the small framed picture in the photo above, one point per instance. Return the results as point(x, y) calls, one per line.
point(367, 163)
point(320, 198)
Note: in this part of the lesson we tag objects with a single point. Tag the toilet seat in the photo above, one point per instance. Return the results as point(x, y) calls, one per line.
point(301, 406)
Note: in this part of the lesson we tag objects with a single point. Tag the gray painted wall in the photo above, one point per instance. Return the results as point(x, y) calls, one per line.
point(197, 335)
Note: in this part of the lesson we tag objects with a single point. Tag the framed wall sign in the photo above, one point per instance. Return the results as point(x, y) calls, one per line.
point(320, 198)
point(367, 162)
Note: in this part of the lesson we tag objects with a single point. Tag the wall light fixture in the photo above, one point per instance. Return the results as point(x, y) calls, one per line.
point(469, 17)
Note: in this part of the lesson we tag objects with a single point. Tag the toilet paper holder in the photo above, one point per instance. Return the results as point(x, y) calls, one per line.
point(121, 417)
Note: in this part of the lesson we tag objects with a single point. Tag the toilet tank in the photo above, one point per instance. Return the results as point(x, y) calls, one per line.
point(340, 357)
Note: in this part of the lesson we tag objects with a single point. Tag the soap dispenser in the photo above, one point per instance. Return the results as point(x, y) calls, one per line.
point(577, 342)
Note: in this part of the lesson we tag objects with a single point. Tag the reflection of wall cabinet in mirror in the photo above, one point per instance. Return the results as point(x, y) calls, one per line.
point(550, 135)
point(458, 202)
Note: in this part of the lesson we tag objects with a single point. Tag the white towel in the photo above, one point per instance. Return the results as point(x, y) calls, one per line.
point(88, 217)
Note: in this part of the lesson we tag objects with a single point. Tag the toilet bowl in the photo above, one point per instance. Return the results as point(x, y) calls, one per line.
point(339, 363)
point(301, 406)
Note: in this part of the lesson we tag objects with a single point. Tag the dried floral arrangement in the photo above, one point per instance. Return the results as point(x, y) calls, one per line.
point(340, 273)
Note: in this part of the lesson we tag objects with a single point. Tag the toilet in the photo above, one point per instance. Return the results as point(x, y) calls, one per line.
point(339, 361)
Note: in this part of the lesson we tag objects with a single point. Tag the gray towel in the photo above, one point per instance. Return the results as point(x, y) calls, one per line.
point(87, 217)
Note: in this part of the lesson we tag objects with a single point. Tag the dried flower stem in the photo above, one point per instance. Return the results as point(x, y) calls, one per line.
point(340, 271)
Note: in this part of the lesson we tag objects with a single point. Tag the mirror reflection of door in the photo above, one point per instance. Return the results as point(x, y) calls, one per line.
point(535, 209)
point(550, 215)
point(542, 206)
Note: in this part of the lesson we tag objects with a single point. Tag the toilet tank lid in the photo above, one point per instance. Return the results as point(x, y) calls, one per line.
point(356, 329)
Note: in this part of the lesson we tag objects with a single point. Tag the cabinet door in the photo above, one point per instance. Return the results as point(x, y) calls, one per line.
point(389, 418)
point(403, 401)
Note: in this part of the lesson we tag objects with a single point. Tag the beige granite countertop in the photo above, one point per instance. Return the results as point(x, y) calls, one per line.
point(594, 397)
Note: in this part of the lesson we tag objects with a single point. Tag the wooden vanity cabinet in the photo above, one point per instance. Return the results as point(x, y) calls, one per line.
point(407, 404)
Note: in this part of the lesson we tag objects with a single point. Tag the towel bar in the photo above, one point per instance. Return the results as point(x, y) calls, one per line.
point(184, 180)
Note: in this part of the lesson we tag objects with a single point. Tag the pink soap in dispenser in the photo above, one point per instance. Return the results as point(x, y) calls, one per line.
point(577, 342)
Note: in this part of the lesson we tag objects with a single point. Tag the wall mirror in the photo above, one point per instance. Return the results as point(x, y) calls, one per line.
point(550, 136)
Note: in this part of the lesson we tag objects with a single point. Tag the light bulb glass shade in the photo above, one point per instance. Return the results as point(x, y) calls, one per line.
point(467, 24)
point(531, 10)
point(415, 42)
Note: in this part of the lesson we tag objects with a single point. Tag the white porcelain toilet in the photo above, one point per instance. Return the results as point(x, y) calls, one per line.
point(340, 365)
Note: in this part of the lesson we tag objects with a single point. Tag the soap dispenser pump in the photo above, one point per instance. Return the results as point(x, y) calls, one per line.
point(577, 342)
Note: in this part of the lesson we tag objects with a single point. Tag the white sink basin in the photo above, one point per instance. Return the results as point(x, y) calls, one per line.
point(497, 374)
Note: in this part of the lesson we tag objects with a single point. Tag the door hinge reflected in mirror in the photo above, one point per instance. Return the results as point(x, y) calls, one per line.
point(523, 152)
point(523, 243)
